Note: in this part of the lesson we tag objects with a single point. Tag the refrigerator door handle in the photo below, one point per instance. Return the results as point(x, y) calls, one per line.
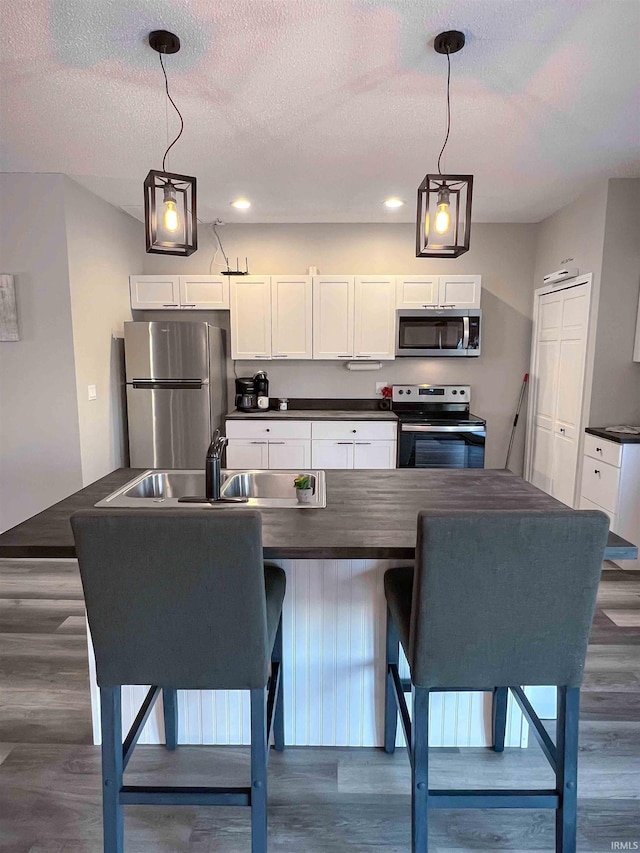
point(168, 384)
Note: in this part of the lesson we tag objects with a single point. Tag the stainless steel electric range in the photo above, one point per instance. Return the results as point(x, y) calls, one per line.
point(436, 428)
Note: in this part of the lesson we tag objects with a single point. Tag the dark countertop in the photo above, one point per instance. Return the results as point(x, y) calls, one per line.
point(369, 514)
point(618, 437)
point(313, 415)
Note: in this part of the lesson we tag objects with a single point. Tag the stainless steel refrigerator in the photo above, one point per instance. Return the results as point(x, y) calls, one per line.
point(176, 378)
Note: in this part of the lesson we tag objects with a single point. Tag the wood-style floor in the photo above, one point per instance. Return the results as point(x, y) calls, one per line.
point(320, 800)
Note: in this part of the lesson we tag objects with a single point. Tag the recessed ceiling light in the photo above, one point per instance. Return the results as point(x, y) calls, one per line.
point(241, 203)
point(393, 202)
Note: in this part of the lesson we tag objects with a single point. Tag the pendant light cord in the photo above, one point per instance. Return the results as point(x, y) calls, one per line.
point(446, 139)
point(173, 103)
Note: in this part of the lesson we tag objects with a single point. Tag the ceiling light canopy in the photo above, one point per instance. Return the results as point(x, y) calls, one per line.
point(169, 198)
point(393, 202)
point(241, 204)
point(443, 224)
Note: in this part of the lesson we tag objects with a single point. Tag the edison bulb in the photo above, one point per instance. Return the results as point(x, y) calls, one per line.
point(171, 219)
point(443, 219)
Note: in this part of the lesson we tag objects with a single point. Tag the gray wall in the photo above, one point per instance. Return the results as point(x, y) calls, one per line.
point(39, 433)
point(600, 231)
point(104, 246)
point(616, 378)
point(502, 254)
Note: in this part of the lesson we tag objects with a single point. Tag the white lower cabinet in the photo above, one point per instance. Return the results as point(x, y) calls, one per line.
point(268, 444)
point(290, 453)
point(611, 483)
point(353, 444)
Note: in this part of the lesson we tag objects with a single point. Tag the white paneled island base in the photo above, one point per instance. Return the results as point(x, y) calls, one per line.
point(334, 622)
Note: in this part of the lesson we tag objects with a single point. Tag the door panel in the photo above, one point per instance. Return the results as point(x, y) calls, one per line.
point(292, 317)
point(374, 454)
point(168, 428)
point(459, 291)
point(326, 453)
point(333, 299)
point(375, 317)
point(417, 291)
point(154, 291)
point(166, 350)
point(292, 453)
point(247, 453)
point(204, 291)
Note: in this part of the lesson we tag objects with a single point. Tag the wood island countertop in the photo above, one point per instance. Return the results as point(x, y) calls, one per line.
point(369, 514)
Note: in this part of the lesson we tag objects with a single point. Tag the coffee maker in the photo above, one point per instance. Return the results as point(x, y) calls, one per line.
point(261, 384)
point(252, 392)
point(246, 396)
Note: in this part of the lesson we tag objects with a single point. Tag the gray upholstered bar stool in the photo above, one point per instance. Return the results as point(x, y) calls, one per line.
point(181, 600)
point(496, 600)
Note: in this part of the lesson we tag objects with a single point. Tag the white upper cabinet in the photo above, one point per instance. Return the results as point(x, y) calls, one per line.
point(375, 317)
point(204, 291)
point(291, 317)
point(417, 291)
point(154, 291)
point(438, 291)
point(459, 291)
point(333, 300)
point(250, 304)
point(161, 292)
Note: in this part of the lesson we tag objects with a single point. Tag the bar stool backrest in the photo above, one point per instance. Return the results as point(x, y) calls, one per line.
point(504, 597)
point(175, 598)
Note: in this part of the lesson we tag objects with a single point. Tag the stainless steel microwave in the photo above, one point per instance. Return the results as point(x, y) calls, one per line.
point(438, 332)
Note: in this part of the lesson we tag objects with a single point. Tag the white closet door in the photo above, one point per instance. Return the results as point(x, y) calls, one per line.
point(570, 389)
point(559, 371)
point(545, 375)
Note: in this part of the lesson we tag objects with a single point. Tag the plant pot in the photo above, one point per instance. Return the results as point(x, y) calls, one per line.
point(305, 496)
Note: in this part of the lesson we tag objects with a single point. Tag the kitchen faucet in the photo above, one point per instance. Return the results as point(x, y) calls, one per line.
point(212, 476)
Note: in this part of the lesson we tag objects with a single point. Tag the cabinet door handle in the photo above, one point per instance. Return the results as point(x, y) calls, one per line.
point(276, 442)
point(188, 304)
point(595, 471)
point(345, 356)
point(170, 305)
point(279, 356)
point(598, 450)
point(258, 442)
point(363, 442)
point(344, 442)
point(562, 430)
point(354, 430)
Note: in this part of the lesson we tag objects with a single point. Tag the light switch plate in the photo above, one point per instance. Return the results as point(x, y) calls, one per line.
point(93, 394)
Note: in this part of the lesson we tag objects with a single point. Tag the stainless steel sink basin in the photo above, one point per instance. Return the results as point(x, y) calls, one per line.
point(260, 488)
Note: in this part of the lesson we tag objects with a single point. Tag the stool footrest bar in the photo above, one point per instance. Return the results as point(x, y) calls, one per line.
point(493, 799)
point(155, 795)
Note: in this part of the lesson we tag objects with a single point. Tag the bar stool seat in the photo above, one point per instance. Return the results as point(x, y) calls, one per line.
point(496, 600)
point(181, 600)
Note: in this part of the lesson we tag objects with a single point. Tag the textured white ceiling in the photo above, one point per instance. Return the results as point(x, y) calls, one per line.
point(317, 111)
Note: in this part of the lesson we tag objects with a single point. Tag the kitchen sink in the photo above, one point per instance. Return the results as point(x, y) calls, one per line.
point(260, 488)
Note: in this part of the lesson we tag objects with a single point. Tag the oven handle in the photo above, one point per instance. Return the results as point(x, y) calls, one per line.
point(465, 333)
point(423, 428)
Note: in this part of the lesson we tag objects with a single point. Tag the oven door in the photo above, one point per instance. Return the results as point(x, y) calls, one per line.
point(450, 333)
point(431, 446)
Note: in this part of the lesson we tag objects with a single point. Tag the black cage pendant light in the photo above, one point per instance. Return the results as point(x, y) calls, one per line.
point(444, 201)
point(169, 199)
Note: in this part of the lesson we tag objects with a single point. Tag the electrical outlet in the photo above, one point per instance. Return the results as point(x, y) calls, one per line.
point(93, 394)
point(380, 386)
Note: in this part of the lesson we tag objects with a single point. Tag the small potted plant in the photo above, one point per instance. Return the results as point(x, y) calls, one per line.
point(304, 488)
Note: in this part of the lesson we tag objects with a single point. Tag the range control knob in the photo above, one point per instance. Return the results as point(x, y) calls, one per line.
point(454, 391)
point(462, 391)
point(401, 391)
point(408, 390)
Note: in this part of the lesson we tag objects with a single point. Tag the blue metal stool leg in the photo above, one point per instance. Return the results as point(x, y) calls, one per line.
point(170, 708)
point(420, 771)
point(259, 770)
point(567, 768)
point(112, 811)
point(390, 705)
point(499, 715)
point(278, 718)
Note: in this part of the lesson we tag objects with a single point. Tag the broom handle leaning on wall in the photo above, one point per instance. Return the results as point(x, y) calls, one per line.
point(515, 420)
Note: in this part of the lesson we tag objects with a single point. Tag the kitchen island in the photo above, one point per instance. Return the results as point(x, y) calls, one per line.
point(334, 613)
